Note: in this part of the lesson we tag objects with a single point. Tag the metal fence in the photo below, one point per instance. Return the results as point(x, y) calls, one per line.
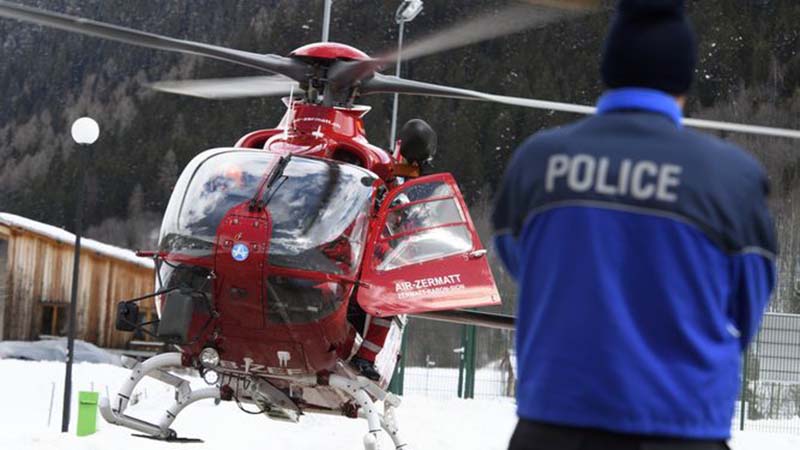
point(444, 360)
point(771, 385)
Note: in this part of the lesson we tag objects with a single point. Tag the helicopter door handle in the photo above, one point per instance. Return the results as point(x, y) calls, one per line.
point(478, 254)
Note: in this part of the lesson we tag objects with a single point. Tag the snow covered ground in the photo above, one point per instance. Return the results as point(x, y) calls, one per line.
point(428, 423)
point(443, 382)
point(56, 350)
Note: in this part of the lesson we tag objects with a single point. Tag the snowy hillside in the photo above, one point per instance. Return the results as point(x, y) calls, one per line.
point(429, 423)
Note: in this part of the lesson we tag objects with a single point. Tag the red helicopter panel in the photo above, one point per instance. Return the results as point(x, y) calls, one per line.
point(424, 253)
point(243, 236)
point(322, 132)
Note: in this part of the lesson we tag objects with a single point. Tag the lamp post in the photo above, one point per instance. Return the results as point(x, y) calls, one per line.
point(406, 12)
point(85, 132)
point(326, 21)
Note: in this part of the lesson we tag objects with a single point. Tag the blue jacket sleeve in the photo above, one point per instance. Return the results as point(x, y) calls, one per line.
point(754, 276)
point(754, 272)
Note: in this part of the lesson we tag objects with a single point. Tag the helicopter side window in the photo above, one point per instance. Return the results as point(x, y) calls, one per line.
point(426, 254)
point(422, 215)
point(420, 192)
point(426, 246)
point(425, 222)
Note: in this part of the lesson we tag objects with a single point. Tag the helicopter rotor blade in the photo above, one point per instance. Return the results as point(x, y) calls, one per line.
point(567, 4)
point(289, 67)
point(492, 25)
point(390, 84)
point(230, 88)
point(489, 25)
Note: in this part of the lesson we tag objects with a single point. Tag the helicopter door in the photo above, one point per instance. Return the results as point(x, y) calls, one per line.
point(424, 253)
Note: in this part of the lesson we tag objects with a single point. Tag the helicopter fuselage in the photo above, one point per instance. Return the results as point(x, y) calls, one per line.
point(270, 241)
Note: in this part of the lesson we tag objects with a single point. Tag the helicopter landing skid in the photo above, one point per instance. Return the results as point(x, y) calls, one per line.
point(154, 367)
point(177, 440)
point(361, 390)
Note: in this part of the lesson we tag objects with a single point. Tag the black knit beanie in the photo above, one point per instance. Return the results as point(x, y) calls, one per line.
point(651, 45)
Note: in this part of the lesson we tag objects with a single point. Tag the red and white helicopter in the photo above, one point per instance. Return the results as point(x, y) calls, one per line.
point(267, 244)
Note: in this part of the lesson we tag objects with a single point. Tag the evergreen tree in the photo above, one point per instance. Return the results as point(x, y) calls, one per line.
point(167, 172)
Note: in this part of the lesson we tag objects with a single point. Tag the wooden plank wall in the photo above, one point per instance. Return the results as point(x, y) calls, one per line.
point(40, 270)
point(3, 278)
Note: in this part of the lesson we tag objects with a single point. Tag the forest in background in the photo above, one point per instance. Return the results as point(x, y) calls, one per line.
point(749, 72)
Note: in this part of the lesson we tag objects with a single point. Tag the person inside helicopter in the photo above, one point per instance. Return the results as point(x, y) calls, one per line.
point(374, 330)
point(418, 142)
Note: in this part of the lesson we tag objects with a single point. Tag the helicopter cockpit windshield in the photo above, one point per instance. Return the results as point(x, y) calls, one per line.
point(318, 208)
point(319, 215)
point(214, 182)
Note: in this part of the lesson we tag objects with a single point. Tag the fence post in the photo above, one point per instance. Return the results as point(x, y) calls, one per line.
point(396, 385)
point(461, 361)
point(743, 396)
point(469, 362)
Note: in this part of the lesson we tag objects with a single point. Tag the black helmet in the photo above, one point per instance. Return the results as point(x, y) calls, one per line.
point(418, 141)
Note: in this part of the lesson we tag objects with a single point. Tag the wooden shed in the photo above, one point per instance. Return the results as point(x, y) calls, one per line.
point(36, 282)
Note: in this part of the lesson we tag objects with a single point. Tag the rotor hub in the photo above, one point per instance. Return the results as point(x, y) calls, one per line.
point(330, 50)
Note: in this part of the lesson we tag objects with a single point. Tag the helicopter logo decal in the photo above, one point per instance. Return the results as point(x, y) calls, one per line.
point(240, 252)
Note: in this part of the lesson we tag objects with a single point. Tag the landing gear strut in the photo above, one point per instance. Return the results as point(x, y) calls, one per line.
point(155, 368)
point(361, 390)
point(275, 403)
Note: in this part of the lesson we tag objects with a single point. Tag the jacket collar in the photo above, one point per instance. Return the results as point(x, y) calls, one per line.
point(641, 99)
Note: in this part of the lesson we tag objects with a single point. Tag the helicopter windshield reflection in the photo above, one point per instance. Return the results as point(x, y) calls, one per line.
point(319, 209)
point(210, 185)
point(319, 215)
point(218, 187)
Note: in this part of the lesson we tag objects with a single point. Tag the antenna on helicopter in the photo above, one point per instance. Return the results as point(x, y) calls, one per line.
point(290, 113)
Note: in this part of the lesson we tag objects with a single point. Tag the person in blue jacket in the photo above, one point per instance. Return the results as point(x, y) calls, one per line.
point(644, 254)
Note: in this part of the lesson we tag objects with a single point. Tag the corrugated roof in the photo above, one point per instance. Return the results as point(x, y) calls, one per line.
point(61, 235)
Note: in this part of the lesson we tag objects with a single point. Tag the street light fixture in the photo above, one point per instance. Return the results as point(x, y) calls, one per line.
point(85, 132)
point(406, 12)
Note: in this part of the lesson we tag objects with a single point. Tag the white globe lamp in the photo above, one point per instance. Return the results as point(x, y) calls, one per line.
point(85, 131)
